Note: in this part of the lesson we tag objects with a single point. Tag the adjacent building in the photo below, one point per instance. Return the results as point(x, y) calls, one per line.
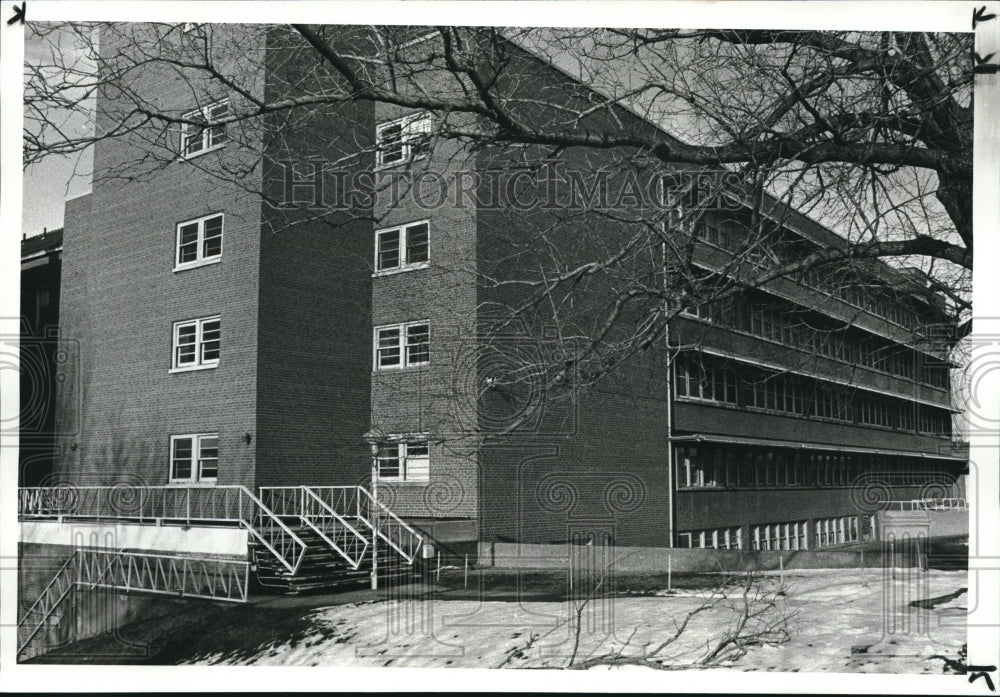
point(41, 360)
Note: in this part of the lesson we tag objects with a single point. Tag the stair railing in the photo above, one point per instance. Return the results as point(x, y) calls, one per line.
point(164, 574)
point(357, 503)
point(343, 537)
point(268, 528)
point(50, 598)
point(390, 527)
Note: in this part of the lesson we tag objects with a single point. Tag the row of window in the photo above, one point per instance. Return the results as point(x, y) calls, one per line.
point(699, 466)
point(732, 235)
point(810, 332)
point(716, 538)
point(396, 141)
point(706, 379)
point(786, 536)
point(836, 531)
point(199, 242)
point(194, 458)
point(197, 343)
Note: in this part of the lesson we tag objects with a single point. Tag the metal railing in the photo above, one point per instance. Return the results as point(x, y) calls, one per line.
point(166, 574)
point(942, 504)
point(37, 616)
point(333, 528)
point(356, 503)
point(189, 577)
point(168, 504)
point(389, 526)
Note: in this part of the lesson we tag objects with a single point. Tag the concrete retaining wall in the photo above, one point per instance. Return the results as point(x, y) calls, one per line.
point(164, 539)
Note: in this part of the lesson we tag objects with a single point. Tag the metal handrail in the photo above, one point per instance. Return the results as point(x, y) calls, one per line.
point(940, 504)
point(44, 604)
point(356, 502)
point(279, 534)
point(233, 504)
point(312, 511)
point(351, 539)
point(164, 574)
point(167, 574)
point(406, 541)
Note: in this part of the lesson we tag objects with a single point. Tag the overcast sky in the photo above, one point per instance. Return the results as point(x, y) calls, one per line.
point(48, 184)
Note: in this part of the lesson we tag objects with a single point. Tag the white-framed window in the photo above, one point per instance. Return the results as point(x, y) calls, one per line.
point(402, 139)
point(199, 241)
point(406, 461)
point(403, 247)
point(197, 139)
point(197, 343)
point(402, 345)
point(194, 457)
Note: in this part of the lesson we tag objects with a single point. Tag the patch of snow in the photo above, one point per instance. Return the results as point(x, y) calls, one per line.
point(839, 620)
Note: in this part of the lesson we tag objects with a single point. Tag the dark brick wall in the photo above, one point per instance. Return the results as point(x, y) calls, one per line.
point(705, 509)
point(609, 478)
point(313, 369)
point(430, 399)
point(120, 297)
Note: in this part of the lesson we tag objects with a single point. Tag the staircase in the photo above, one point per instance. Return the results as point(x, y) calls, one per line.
point(300, 539)
point(323, 567)
point(344, 532)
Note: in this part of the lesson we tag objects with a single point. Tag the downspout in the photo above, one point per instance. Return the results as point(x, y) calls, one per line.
point(670, 404)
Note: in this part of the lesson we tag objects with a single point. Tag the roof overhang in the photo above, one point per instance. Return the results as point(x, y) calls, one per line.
point(734, 440)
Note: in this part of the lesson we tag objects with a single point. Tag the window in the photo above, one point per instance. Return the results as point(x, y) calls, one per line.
point(403, 139)
point(199, 242)
point(402, 345)
point(197, 343)
point(402, 247)
point(194, 458)
point(705, 382)
point(690, 472)
point(196, 139)
point(407, 461)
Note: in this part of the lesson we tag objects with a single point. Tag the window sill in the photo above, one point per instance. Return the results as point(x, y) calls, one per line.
point(182, 158)
point(193, 368)
point(197, 264)
point(399, 163)
point(202, 484)
point(401, 269)
point(401, 369)
point(403, 482)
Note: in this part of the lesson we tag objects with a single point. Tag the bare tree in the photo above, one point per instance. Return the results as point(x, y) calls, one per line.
point(754, 615)
point(868, 132)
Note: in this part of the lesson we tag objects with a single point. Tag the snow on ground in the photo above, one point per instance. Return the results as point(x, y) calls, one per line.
point(844, 620)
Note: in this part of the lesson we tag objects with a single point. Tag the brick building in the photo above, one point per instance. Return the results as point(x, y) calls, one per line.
point(40, 361)
point(230, 338)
